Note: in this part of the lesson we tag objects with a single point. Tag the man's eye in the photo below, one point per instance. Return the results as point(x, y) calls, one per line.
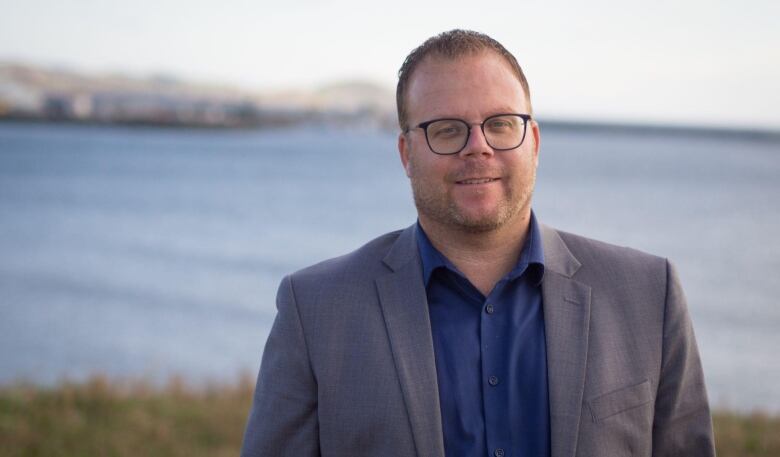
point(500, 124)
point(446, 131)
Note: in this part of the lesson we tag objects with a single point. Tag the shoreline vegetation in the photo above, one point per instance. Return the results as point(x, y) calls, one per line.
point(104, 417)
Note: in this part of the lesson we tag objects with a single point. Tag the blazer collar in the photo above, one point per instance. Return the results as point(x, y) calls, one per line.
point(557, 255)
point(404, 249)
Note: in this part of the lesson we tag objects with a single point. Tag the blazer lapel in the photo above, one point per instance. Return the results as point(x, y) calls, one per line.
point(566, 322)
point(404, 307)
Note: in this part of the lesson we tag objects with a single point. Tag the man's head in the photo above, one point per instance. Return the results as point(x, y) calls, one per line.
point(484, 186)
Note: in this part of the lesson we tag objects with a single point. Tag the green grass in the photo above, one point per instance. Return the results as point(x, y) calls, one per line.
point(102, 418)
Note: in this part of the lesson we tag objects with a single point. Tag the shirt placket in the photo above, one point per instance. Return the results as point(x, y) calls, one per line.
point(494, 373)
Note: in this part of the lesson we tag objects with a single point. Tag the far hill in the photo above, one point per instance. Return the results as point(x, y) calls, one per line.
point(39, 92)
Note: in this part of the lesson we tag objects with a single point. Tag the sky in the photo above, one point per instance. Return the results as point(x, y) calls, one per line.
point(709, 63)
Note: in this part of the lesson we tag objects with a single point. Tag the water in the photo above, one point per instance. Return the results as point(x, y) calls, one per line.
point(151, 252)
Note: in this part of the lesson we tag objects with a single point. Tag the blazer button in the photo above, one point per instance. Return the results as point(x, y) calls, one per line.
point(498, 452)
point(489, 308)
point(493, 380)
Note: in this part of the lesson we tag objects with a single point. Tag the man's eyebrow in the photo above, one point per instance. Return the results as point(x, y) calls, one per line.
point(493, 112)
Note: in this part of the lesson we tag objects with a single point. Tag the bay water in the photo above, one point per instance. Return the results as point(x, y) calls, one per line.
point(148, 253)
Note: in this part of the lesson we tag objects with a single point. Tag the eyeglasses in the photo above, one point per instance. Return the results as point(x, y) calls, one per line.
point(450, 136)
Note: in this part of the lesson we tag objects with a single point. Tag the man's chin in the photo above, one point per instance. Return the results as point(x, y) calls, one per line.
point(479, 225)
point(479, 222)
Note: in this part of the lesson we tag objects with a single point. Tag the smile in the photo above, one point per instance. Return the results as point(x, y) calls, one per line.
point(477, 181)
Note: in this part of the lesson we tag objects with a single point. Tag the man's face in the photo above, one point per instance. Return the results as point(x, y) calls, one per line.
point(478, 189)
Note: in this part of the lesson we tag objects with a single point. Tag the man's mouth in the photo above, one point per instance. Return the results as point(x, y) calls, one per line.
point(477, 181)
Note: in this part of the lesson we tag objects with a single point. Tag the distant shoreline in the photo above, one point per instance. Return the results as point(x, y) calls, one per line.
point(552, 124)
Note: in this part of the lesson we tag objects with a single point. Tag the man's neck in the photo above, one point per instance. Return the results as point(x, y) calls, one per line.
point(484, 257)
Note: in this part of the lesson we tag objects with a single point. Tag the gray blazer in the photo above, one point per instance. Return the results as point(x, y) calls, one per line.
point(349, 368)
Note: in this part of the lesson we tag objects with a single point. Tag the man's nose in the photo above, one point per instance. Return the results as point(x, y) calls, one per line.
point(477, 144)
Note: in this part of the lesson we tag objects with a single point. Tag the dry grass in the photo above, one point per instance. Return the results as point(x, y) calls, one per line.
point(102, 418)
point(754, 434)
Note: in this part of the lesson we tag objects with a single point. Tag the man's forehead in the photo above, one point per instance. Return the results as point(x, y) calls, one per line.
point(438, 70)
point(442, 78)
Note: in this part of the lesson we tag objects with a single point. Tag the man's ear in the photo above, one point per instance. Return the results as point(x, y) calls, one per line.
point(403, 151)
point(535, 134)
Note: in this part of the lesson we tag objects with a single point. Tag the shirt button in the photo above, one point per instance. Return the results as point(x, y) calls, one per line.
point(493, 380)
point(498, 452)
point(489, 308)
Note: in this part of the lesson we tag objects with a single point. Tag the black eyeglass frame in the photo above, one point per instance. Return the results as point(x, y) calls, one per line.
point(424, 126)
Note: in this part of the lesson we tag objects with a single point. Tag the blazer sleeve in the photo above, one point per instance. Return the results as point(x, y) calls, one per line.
point(682, 424)
point(283, 418)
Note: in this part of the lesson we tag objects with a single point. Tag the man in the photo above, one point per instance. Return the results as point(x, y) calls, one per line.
point(478, 331)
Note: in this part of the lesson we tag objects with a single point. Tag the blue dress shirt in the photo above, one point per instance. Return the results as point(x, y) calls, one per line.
point(491, 358)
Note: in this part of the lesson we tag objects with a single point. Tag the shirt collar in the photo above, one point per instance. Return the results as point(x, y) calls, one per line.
point(531, 257)
point(430, 256)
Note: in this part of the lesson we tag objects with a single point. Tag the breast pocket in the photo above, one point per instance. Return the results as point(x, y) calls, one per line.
point(620, 400)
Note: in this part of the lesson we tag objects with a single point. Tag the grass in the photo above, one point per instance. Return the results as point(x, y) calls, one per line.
point(102, 418)
point(107, 418)
point(755, 434)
